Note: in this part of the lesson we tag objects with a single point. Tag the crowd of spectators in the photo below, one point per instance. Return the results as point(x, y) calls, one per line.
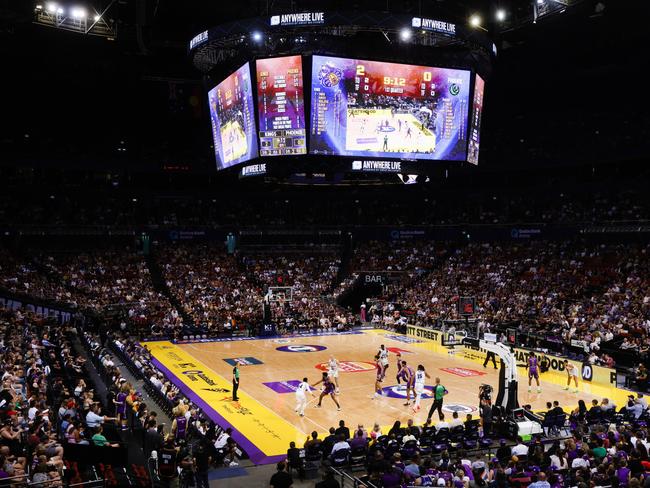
point(189, 423)
point(47, 402)
point(597, 293)
point(602, 447)
point(89, 281)
point(210, 286)
point(404, 260)
point(311, 277)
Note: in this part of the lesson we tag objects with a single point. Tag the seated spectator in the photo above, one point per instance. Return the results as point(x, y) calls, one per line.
point(358, 441)
point(343, 430)
point(94, 418)
point(340, 444)
point(281, 479)
point(329, 442)
point(520, 449)
point(455, 421)
point(99, 439)
point(294, 461)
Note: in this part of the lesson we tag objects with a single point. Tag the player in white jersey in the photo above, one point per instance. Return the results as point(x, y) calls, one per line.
point(572, 374)
point(301, 396)
point(420, 376)
point(382, 354)
point(333, 371)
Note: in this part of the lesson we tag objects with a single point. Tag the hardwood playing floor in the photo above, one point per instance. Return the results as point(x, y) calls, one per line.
point(462, 378)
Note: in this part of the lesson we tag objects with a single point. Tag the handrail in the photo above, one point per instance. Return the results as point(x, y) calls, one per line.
point(49, 481)
point(356, 481)
point(86, 483)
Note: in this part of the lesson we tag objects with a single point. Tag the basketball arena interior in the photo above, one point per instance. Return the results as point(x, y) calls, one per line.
point(291, 243)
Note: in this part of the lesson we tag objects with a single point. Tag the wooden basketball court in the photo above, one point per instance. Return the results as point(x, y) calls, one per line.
point(264, 418)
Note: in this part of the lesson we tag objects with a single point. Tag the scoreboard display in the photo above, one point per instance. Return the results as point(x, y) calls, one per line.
point(233, 120)
point(475, 122)
point(281, 111)
point(378, 109)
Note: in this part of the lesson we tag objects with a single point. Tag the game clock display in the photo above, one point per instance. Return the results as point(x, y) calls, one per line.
point(378, 109)
point(232, 117)
point(280, 104)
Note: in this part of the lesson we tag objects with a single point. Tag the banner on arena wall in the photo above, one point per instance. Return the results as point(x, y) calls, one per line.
point(596, 375)
point(62, 316)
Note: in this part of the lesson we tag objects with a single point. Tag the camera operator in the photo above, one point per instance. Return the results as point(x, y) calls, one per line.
point(202, 460)
point(186, 457)
point(485, 393)
point(485, 412)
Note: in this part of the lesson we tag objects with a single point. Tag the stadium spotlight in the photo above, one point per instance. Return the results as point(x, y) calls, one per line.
point(501, 15)
point(540, 2)
point(97, 17)
point(39, 7)
point(78, 13)
point(60, 11)
point(475, 21)
point(405, 34)
point(257, 36)
point(51, 7)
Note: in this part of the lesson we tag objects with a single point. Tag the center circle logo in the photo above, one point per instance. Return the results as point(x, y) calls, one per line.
point(457, 407)
point(350, 366)
point(399, 391)
point(300, 348)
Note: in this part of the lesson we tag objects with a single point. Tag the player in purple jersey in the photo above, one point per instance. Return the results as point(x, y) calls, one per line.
point(179, 424)
point(533, 371)
point(399, 367)
point(408, 375)
point(329, 388)
point(120, 405)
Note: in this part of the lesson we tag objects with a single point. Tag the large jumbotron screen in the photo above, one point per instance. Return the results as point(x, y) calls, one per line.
point(232, 114)
point(281, 106)
point(475, 122)
point(378, 109)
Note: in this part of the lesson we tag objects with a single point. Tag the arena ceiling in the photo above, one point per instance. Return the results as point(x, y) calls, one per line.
point(142, 88)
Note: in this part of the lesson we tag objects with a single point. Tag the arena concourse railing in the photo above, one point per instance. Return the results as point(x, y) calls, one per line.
point(20, 481)
point(347, 480)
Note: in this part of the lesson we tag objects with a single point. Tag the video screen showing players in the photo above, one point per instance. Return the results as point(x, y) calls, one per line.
point(378, 109)
point(232, 116)
point(281, 106)
point(475, 122)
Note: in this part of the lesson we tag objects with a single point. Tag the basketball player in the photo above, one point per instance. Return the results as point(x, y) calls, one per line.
point(120, 404)
point(301, 397)
point(408, 375)
point(420, 376)
point(333, 371)
point(572, 373)
point(379, 378)
point(533, 372)
point(385, 146)
point(382, 355)
point(328, 389)
point(398, 377)
point(179, 424)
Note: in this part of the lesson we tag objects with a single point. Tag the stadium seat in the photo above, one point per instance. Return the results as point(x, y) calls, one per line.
point(358, 458)
point(340, 458)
